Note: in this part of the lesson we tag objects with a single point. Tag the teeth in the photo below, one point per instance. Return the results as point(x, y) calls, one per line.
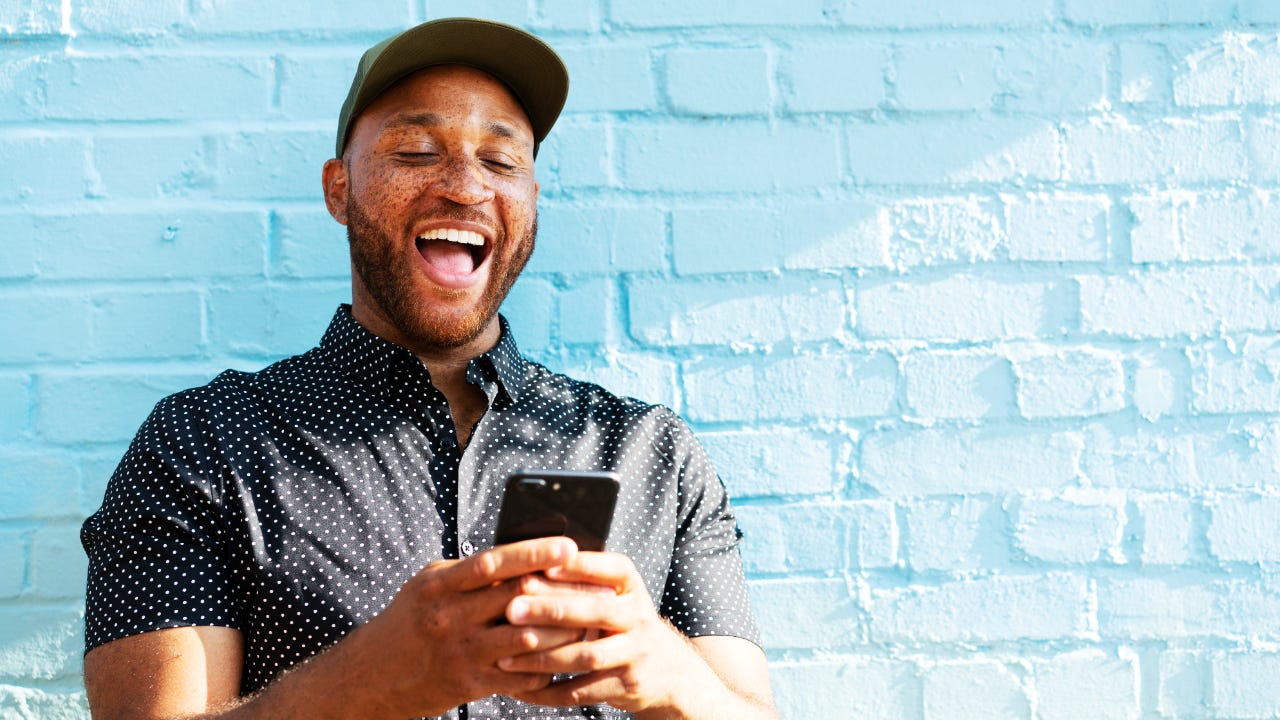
point(464, 237)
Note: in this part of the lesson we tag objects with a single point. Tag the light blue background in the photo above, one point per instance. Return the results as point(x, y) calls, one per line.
point(974, 303)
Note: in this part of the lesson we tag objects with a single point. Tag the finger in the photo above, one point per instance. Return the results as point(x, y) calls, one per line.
point(578, 657)
point(508, 561)
point(589, 689)
point(590, 610)
point(608, 569)
point(518, 640)
point(539, 584)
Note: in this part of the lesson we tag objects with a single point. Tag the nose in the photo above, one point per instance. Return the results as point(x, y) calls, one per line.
point(463, 181)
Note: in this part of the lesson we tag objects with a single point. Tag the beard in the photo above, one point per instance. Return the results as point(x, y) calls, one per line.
point(391, 278)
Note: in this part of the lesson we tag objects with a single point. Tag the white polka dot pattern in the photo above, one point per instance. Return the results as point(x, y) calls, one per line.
point(293, 503)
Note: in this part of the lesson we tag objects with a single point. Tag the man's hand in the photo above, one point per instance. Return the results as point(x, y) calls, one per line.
point(640, 663)
point(434, 647)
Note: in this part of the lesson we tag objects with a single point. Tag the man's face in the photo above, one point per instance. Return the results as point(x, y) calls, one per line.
point(438, 195)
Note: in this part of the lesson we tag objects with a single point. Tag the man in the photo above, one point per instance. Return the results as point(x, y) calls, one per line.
point(315, 540)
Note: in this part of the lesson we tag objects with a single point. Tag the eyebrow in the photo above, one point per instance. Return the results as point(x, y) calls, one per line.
point(493, 127)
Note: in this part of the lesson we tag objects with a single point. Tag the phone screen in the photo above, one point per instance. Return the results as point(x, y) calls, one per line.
point(546, 503)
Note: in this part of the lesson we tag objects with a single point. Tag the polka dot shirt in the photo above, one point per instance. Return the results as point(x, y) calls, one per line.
point(292, 503)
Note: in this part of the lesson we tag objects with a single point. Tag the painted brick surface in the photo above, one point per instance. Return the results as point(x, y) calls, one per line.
point(973, 304)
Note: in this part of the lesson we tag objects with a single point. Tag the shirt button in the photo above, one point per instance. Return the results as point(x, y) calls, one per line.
point(467, 548)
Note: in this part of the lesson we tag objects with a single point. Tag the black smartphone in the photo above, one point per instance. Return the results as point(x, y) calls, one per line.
point(545, 503)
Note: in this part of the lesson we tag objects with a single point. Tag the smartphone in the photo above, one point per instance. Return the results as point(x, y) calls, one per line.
point(545, 503)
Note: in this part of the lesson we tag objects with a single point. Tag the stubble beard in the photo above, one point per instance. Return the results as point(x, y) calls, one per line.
point(389, 276)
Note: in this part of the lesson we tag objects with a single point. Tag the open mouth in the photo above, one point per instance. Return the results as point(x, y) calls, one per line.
point(453, 252)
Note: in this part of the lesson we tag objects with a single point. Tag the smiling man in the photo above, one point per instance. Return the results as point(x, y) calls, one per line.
point(316, 539)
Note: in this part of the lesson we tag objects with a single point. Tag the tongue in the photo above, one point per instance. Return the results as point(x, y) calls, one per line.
point(448, 257)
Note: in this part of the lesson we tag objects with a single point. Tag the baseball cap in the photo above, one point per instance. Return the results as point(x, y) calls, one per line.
point(533, 72)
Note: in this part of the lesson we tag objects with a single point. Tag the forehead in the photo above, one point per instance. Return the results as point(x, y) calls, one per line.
point(460, 93)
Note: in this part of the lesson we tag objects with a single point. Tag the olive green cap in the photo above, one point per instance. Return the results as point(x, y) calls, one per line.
point(527, 65)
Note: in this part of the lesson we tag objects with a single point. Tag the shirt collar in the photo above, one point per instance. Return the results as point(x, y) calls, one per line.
point(368, 358)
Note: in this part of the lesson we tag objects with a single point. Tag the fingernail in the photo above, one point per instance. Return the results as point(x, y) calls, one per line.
point(506, 663)
point(517, 610)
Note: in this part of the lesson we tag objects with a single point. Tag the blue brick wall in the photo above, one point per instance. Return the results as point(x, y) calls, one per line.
point(973, 303)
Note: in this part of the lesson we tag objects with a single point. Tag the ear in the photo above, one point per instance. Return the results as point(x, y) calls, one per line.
point(335, 179)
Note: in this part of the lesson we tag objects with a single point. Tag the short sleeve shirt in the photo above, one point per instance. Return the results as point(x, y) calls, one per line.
point(292, 503)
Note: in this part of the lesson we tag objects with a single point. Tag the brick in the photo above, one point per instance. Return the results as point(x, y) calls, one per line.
point(805, 613)
point(38, 485)
point(1194, 302)
point(886, 688)
point(651, 379)
point(958, 384)
point(1259, 11)
point(112, 17)
point(1262, 144)
point(577, 155)
point(514, 12)
point(748, 312)
point(297, 16)
point(158, 87)
point(1077, 527)
point(1171, 609)
point(676, 13)
point(43, 704)
point(719, 81)
point(25, 82)
point(41, 643)
point(152, 166)
point(714, 157)
point(972, 690)
point(1057, 227)
point(599, 240)
point(1088, 683)
point(796, 236)
point(175, 243)
point(1211, 227)
point(42, 168)
point(271, 165)
point(312, 86)
point(848, 77)
point(955, 535)
point(18, 256)
point(1069, 383)
point(272, 320)
point(897, 14)
point(1098, 13)
point(1116, 152)
point(1245, 456)
point(931, 151)
point(1146, 74)
point(1244, 685)
point(854, 385)
point(876, 535)
point(15, 406)
point(794, 538)
point(772, 461)
point(960, 308)
point(1242, 529)
point(587, 314)
point(13, 563)
point(43, 325)
point(1049, 606)
point(31, 17)
point(1052, 76)
point(1161, 384)
point(1139, 460)
point(944, 230)
point(529, 308)
point(1234, 70)
point(58, 563)
point(610, 78)
point(1183, 683)
point(1235, 377)
point(944, 76)
point(1168, 529)
point(565, 15)
point(312, 246)
point(102, 407)
point(963, 462)
point(157, 324)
